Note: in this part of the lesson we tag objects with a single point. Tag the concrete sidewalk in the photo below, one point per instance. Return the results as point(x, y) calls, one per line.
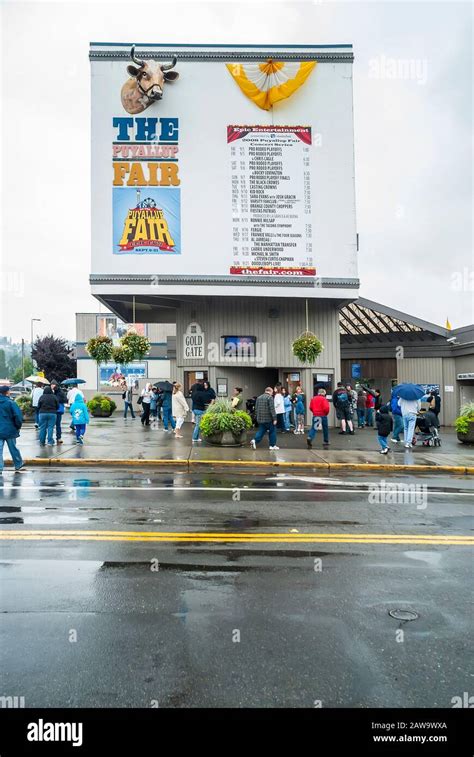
point(115, 441)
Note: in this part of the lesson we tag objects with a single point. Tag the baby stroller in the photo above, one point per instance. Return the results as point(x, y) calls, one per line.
point(426, 430)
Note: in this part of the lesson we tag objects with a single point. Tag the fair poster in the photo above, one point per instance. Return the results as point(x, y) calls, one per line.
point(146, 200)
point(112, 375)
point(272, 231)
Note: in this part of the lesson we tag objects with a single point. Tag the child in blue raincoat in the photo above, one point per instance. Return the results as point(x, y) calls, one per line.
point(80, 417)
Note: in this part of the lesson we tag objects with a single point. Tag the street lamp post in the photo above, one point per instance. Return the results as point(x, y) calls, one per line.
point(33, 319)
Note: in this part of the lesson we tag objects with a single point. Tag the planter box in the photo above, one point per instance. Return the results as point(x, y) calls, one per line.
point(102, 414)
point(227, 439)
point(467, 438)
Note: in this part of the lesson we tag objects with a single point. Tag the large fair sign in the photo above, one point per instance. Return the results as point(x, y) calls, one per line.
point(210, 176)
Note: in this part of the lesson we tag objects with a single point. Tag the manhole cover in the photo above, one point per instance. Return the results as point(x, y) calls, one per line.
point(403, 614)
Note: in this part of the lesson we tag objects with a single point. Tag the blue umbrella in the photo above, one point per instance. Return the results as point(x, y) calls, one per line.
point(71, 382)
point(409, 391)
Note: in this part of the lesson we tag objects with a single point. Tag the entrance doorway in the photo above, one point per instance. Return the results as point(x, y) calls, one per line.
point(192, 377)
point(291, 380)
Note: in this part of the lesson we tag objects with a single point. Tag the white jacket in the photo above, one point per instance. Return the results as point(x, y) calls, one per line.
point(35, 395)
point(279, 403)
point(409, 406)
point(72, 394)
point(179, 406)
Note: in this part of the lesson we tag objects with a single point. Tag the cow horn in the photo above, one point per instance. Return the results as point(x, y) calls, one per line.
point(165, 67)
point(137, 62)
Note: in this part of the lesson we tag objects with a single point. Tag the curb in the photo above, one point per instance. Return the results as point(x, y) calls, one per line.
point(188, 464)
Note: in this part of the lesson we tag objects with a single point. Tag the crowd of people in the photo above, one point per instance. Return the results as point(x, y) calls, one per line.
point(49, 405)
point(275, 408)
point(275, 411)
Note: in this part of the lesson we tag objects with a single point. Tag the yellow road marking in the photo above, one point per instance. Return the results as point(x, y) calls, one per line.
point(250, 538)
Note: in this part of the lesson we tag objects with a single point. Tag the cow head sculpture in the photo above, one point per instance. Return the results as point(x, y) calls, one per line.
point(146, 84)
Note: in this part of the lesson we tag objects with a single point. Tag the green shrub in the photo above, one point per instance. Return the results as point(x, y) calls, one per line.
point(465, 418)
point(220, 405)
point(24, 403)
point(101, 403)
point(236, 422)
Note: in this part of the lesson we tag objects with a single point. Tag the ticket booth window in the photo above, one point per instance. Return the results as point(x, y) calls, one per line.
point(323, 381)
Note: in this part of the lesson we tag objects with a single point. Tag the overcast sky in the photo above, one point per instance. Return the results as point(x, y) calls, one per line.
point(412, 141)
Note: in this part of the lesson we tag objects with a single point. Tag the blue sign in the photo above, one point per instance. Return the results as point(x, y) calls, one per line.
point(356, 372)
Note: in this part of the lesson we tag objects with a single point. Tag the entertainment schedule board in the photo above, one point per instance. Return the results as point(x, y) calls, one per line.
point(272, 230)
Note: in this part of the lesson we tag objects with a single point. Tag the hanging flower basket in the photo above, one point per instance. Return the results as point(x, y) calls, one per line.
point(307, 347)
point(100, 348)
point(134, 346)
point(120, 356)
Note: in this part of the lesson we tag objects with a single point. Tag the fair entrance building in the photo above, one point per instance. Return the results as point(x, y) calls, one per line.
point(368, 342)
point(244, 342)
point(228, 213)
point(225, 210)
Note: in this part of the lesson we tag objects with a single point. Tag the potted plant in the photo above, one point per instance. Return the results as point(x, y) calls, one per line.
point(120, 356)
point(133, 346)
point(464, 423)
point(307, 347)
point(101, 406)
point(222, 424)
point(24, 403)
point(100, 348)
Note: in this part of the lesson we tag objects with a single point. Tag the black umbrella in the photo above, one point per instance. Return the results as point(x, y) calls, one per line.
point(165, 386)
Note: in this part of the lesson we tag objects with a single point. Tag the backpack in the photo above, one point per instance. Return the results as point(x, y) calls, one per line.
point(342, 398)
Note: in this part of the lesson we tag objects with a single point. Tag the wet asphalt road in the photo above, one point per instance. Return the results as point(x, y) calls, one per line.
point(94, 614)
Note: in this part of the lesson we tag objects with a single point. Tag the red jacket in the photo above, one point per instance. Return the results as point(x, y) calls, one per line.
point(319, 405)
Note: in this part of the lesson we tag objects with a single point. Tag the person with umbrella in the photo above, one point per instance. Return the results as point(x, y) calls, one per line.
point(397, 419)
point(35, 396)
point(39, 382)
point(167, 404)
point(409, 396)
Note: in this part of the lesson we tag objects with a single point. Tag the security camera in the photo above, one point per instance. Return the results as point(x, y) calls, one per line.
point(452, 339)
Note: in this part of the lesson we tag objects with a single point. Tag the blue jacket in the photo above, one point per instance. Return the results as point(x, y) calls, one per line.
point(288, 403)
point(79, 411)
point(299, 404)
point(394, 406)
point(11, 418)
point(167, 400)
